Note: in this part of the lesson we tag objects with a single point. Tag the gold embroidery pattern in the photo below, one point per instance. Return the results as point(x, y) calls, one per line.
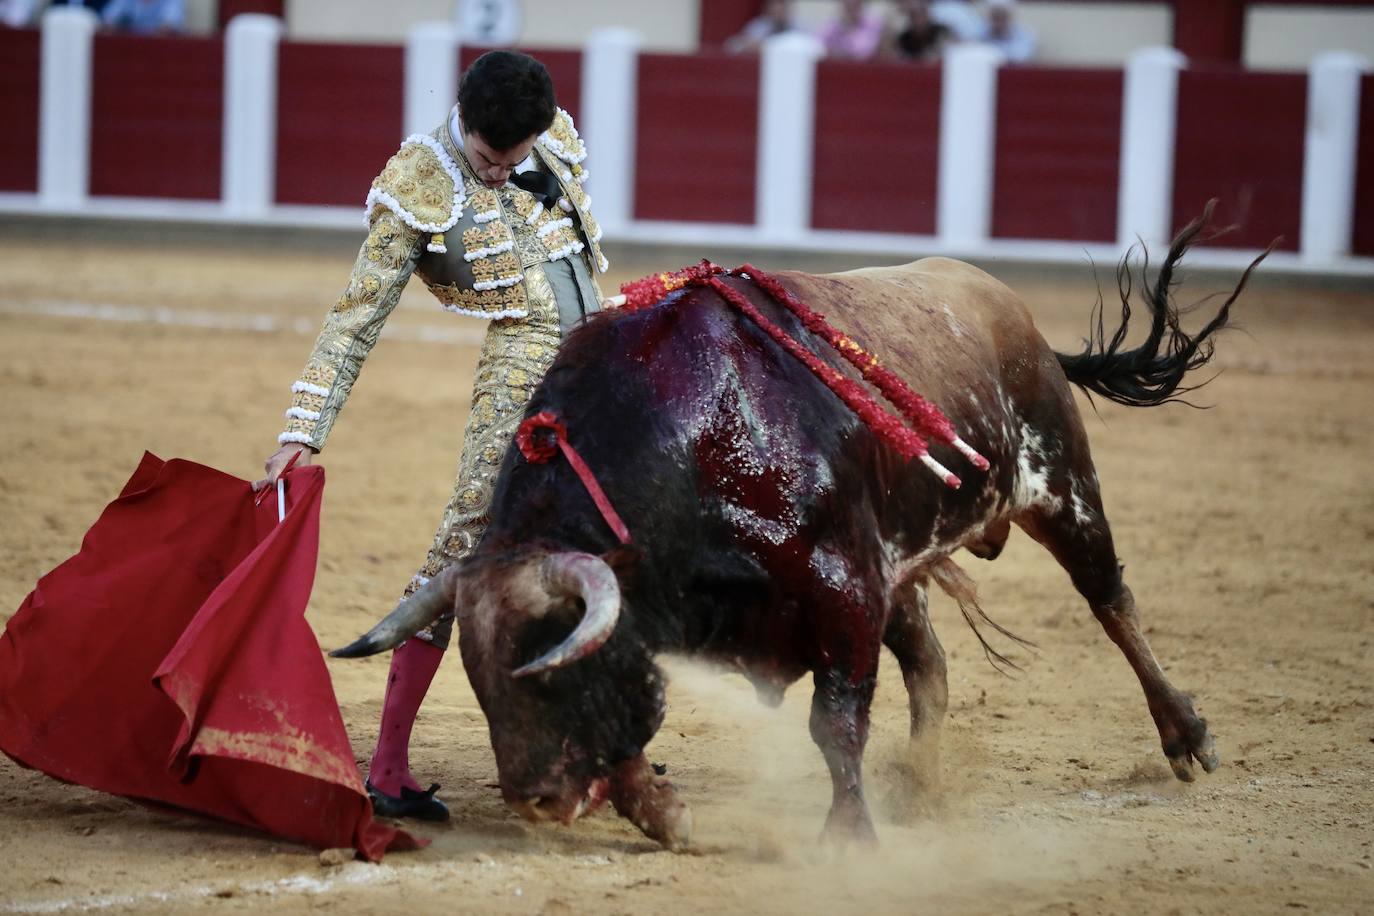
point(416, 180)
point(560, 241)
point(506, 303)
point(491, 235)
point(351, 328)
point(528, 246)
point(525, 205)
point(481, 199)
point(497, 268)
point(577, 196)
point(566, 145)
point(515, 356)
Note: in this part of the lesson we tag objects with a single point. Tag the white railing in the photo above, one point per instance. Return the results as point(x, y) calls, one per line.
point(786, 119)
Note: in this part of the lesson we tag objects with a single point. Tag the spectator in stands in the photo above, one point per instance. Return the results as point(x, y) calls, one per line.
point(18, 14)
point(919, 37)
point(1012, 38)
point(854, 34)
point(961, 17)
point(776, 18)
point(145, 17)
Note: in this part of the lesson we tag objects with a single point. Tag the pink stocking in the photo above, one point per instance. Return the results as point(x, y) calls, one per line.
point(412, 669)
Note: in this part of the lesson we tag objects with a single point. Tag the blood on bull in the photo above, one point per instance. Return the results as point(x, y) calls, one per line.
point(770, 517)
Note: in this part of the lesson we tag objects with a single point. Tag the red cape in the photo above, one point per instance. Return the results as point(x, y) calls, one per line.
point(169, 661)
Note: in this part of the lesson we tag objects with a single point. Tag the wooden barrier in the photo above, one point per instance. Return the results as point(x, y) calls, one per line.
point(19, 49)
point(1035, 153)
point(1058, 160)
point(338, 120)
point(877, 147)
point(1240, 138)
point(157, 110)
point(696, 138)
point(1363, 235)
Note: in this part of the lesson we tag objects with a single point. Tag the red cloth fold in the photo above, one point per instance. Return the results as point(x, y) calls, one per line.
point(170, 661)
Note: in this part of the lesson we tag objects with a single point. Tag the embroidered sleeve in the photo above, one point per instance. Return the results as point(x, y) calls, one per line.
point(385, 262)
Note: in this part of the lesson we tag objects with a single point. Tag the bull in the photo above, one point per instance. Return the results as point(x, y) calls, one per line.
point(773, 531)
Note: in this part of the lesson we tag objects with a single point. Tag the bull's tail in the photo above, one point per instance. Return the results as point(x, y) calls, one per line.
point(1154, 372)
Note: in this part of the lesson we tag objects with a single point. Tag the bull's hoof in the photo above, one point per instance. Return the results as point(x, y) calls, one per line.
point(910, 795)
point(650, 802)
point(673, 830)
point(846, 824)
point(1184, 736)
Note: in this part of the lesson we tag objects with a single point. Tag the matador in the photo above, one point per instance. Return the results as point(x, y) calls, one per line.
point(489, 210)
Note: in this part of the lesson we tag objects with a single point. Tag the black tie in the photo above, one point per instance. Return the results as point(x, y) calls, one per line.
point(540, 184)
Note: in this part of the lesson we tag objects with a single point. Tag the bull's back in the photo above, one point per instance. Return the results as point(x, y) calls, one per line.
point(966, 342)
point(946, 327)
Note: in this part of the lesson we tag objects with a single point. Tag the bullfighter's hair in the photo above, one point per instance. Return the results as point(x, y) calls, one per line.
point(506, 97)
point(1153, 372)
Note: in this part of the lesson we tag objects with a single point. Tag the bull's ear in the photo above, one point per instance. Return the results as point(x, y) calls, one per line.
point(623, 560)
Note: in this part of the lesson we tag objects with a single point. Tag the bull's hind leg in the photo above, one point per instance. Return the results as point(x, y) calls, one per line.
point(912, 640)
point(1072, 526)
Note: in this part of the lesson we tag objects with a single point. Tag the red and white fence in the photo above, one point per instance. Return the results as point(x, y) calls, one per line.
point(968, 157)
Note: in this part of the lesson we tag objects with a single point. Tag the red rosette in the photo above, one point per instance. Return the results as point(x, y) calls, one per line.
point(537, 451)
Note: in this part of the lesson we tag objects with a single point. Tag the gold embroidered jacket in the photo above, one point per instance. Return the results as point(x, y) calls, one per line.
point(428, 214)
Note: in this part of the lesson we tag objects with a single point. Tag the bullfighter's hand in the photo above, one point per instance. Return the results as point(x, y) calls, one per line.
point(278, 461)
point(613, 302)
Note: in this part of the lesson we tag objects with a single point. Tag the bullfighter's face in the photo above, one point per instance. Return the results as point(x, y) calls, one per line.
point(494, 167)
point(558, 733)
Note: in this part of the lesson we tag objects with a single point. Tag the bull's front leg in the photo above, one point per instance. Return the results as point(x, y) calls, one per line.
point(650, 802)
point(839, 725)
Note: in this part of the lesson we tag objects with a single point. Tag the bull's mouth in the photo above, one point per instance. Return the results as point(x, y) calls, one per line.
point(563, 808)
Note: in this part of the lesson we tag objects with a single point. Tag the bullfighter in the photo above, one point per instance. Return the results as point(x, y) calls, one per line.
point(489, 209)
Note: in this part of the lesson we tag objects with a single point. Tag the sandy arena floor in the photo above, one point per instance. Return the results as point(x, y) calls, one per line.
point(1247, 530)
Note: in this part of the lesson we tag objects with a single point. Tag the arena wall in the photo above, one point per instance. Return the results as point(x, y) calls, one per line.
point(1058, 160)
point(879, 169)
point(156, 116)
point(1240, 138)
point(321, 90)
point(19, 82)
point(876, 161)
point(705, 174)
point(1363, 241)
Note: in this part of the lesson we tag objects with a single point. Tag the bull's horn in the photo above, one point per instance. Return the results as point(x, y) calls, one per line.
point(584, 576)
point(431, 601)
